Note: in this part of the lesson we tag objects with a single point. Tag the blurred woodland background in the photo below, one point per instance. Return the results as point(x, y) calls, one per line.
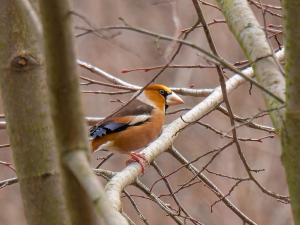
point(131, 50)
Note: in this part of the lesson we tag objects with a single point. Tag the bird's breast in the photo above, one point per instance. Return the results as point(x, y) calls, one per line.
point(137, 137)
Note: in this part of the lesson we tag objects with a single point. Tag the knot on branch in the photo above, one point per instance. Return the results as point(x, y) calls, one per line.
point(23, 62)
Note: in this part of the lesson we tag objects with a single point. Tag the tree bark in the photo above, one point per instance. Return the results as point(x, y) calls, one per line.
point(85, 195)
point(252, 39)
point(65, 102)
point(290, 139)
point(27, 113)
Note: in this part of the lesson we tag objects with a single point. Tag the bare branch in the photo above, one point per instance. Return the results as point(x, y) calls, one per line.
point(128, 175)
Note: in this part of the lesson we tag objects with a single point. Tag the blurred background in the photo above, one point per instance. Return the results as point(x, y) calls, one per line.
point(130, 50)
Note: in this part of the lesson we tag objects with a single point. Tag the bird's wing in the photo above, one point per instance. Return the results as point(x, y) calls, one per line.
point(118, 124)
point(135, 108)
point(135, 114)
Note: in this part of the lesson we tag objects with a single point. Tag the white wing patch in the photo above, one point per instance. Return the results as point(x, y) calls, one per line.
point(104, 146)
point(139, 119)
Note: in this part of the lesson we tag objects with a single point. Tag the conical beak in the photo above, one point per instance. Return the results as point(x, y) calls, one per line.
point(173, 99)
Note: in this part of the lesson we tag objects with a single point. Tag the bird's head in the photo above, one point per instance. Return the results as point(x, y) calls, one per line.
point(160, 96)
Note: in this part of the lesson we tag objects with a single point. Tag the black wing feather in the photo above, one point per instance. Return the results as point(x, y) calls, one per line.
point(112, 127)
point(137, 108)
point(107, 129)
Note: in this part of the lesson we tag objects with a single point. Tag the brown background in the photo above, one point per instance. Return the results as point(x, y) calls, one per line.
point(156, 16)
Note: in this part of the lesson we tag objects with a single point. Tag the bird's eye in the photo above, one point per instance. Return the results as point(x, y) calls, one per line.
point(161, 91)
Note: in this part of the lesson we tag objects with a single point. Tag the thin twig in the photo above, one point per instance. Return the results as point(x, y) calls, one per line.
point(211, 185)
point(5, 146)
point(135, 207)
point(160, 172)
point(104, 159)
point(158, 201)
point(247, 121)
point(182, 42)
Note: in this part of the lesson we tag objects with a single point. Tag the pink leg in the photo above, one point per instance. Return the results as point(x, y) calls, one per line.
point(140, 158)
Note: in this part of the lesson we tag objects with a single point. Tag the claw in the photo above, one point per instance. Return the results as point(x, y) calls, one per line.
point(137, 157)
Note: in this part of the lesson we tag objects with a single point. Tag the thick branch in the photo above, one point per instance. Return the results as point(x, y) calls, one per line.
point(79, 164)
point(115, 186)
point(247, 31)
point(67, 112)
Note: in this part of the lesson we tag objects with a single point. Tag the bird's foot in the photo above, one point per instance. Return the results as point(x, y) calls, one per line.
point(140, 158)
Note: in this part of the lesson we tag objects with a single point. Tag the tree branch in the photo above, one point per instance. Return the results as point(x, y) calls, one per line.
point(253, 41)
point(66, 108)
point(128, 175)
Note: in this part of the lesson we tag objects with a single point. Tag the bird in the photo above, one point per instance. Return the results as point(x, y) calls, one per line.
point(136, 125)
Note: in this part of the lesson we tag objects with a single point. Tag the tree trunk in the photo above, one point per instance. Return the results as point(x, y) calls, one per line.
point(290, 139)
point(27, 113)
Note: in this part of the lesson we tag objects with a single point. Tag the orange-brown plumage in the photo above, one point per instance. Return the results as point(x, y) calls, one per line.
point(136, 125)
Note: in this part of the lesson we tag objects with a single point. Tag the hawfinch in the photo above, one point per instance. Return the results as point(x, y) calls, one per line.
point(136, 125)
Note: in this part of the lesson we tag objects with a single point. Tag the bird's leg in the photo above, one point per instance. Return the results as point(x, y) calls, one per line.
point(140, 158)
